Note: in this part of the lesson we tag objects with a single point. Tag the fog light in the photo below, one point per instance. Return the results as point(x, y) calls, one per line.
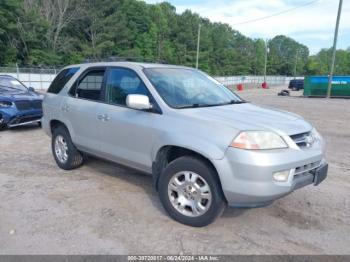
point(281, 176)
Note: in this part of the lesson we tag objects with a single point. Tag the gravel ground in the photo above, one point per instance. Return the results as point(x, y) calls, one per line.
point(103, 208)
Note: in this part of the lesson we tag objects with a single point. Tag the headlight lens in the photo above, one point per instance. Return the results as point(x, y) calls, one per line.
point(258, 140)
point(5, 104)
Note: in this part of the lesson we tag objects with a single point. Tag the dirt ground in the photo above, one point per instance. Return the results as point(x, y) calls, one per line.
point(103, 208)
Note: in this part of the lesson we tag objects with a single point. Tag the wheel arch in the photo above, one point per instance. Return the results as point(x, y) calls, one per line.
point(168, 153)
point(54, 123)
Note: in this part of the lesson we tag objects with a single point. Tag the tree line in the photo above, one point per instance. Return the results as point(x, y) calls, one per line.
point(47, 33)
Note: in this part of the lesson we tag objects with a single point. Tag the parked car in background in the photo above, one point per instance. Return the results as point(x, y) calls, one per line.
point(204, 146)
point(19, 105)
point(296, 84)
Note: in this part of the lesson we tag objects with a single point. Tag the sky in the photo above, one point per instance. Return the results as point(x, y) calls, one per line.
point(312, 25)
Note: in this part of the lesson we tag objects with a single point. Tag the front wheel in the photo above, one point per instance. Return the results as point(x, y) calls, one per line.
point(3, 127)
point(190, 191)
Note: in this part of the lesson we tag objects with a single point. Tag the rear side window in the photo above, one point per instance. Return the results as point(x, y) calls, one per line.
point(61, 79)
point(90, 86)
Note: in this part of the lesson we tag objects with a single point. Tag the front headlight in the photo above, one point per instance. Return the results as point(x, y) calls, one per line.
point(258, 140)
point(5, 104)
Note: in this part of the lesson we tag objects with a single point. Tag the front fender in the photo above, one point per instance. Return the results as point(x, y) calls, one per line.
point(200, 145)
point(7, 114)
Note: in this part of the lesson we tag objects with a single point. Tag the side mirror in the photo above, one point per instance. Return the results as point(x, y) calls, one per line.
point(31, 89)
point(140, 102)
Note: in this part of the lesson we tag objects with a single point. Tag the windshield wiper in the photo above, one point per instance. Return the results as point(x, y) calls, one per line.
point(232, 102)
point(189, 106)
point(196, 105)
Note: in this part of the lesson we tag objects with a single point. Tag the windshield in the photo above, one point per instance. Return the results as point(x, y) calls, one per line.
point(185, 88)
point(10, 82)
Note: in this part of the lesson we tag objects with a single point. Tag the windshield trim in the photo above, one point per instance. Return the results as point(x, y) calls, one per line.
point(240, 100)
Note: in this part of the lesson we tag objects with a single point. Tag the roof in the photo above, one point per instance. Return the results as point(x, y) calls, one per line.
point(128, 64)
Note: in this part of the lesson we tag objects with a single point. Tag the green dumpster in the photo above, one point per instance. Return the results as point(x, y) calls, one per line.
point(317, 86)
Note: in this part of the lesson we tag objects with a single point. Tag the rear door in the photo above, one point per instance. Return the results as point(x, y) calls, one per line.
point(80, 108)
point(126, 134)
point(52, 101)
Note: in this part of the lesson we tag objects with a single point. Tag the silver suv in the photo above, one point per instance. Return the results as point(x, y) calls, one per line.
point(204, 146)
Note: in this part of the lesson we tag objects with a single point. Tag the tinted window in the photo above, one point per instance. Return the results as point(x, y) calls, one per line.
point(90, 86)
point(121, 83)
point(61, 79)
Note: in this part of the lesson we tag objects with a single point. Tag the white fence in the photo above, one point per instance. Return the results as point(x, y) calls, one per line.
point(42, 78)
point(33, 77)
point(255, 80)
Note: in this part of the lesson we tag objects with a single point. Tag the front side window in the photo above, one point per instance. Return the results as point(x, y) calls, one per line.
point(122, 82)
point(61, 79)
point(183, 88)
point(90, 86)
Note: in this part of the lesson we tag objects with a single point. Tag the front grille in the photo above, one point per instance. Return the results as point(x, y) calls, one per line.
point(37, 104)
point(27, 105)
point(23, 105)
point(305, 175)
point(306, 169)
point(303, 140)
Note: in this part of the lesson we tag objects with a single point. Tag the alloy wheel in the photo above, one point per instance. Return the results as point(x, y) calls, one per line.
point(189, 193)
point(61, 149)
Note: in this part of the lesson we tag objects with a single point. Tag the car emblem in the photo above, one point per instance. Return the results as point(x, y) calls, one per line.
point(309, 140)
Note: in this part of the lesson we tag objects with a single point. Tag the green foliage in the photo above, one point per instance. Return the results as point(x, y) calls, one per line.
point(9, 11)
point(320, 64)
point(286, 56)
point(60, 32)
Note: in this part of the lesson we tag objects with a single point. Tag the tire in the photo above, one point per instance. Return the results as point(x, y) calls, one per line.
point(73, 158)
point(3, 127)
point(170, 198)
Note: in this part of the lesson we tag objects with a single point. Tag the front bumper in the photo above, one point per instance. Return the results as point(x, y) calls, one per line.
point(12, 117)
point(247, 176)
point(24, 120)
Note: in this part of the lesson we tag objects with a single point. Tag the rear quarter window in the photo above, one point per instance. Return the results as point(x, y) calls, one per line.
point(61, 79)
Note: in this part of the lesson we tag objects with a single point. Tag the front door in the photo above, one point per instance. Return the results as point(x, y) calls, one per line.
point(126, 134)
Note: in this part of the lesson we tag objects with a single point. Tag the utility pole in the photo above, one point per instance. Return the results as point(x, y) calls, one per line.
point(198, 42)
point(265, 64)
point(296, 64)
point(330, 79)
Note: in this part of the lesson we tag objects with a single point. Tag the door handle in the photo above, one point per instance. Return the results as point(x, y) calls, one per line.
point(103, 117)
point(65, 108)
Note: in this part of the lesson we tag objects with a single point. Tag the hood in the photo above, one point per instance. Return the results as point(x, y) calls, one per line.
point(251, 117)
point(18, 95)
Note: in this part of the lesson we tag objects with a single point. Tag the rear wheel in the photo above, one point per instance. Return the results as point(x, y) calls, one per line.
point(190, 191)
point(65, 153)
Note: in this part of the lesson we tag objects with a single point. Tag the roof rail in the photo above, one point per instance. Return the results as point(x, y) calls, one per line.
point(123, 59)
